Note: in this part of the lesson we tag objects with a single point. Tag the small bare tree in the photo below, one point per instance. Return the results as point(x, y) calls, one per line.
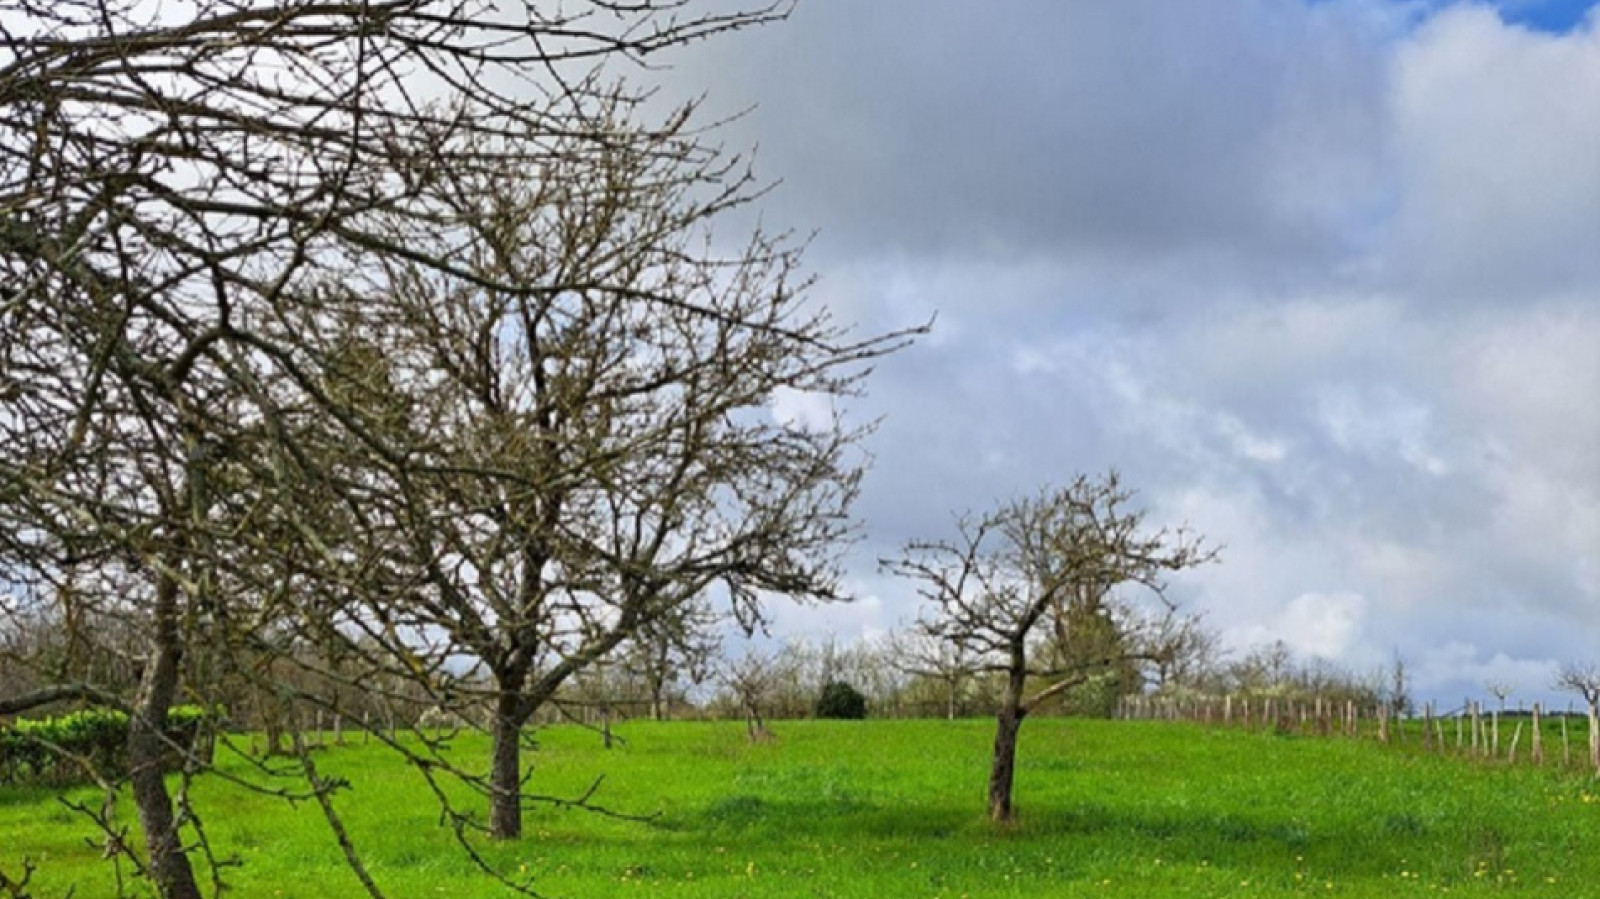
point(1501, 691)
point(1193, 653)
point(752, 678)
point(1399, 685)
point(1584, 680)
point(1017, 582)
point(948, 663)
point(674, 652)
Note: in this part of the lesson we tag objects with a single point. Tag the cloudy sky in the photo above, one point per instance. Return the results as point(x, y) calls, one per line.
point(1321, 279)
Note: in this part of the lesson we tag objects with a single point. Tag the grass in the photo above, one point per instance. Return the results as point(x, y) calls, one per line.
point(895, 808)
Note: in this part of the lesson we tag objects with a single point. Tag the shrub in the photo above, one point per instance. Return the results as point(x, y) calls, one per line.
point(840, 700)
point(59, 748)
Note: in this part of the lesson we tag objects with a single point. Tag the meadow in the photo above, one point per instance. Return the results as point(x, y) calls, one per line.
point(1141, 810)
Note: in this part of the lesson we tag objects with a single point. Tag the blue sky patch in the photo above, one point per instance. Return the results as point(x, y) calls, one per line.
point(1555, 16)
point(1551, 16)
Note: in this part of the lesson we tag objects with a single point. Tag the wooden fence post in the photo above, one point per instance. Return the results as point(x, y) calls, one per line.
point(1536, 744)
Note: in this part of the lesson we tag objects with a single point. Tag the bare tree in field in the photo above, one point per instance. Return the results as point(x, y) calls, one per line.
point(1193, 653)
point(1584, 680)
point(195, 199)
point(585, 454)
point(1016, 583)
point(752, 678)
point(1399, 685)
point(1501, 691)
point(948, 663)
point(673, 653)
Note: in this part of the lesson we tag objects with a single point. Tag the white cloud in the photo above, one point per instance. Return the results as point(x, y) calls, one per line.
point(1463, 665)
point(1498, 136)
point(1313, 625)
point(1322, 625)
point(1320, 279)
point(1378, 424)
point(1248, 443)
point(801, 410)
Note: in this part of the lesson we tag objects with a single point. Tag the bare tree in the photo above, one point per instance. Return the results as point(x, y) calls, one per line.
point(1501, 691)
point(675, 651)
point(1398, 689)
point(594, 451)
point(1193, 652)
point(1264, 669)
point(752, 678)
point(950, 664)
point(1017, 580)
point(192, 197)
point(1584, 680)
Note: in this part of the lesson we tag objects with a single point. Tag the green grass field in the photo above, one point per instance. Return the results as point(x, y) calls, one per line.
point(895, 809)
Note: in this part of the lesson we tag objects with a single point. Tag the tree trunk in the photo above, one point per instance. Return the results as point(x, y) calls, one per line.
point(1594, 736)
point(755, 728)
point(505, 773)
point(658, 687)
point(277, 744)
point(169, 865)
point(1003, 769)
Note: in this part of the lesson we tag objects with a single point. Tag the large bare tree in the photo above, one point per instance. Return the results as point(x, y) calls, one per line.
point(193, 198)
point(578, 457)
point(1028, 590)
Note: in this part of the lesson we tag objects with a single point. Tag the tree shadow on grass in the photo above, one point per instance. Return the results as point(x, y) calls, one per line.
point(1246, 840)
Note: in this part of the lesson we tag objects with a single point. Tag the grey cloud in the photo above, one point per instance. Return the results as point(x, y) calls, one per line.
point(942, 127)
point(1317, 281)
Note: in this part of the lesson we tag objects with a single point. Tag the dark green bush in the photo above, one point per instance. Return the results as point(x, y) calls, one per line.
point(840, 700)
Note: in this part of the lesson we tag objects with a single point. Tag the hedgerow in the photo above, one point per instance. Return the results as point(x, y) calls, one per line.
point(79, 745)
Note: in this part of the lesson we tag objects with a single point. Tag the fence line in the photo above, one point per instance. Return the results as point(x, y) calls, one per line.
point(1477, 734)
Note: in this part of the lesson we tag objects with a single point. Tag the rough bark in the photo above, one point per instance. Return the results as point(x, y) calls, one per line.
point(169, 864)
point(657, 704)
point(1594, 736)
point(755, 728)
point(505, 773)
point(1002, 770)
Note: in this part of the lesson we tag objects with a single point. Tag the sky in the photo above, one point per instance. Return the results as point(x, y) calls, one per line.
point(1320, 279)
